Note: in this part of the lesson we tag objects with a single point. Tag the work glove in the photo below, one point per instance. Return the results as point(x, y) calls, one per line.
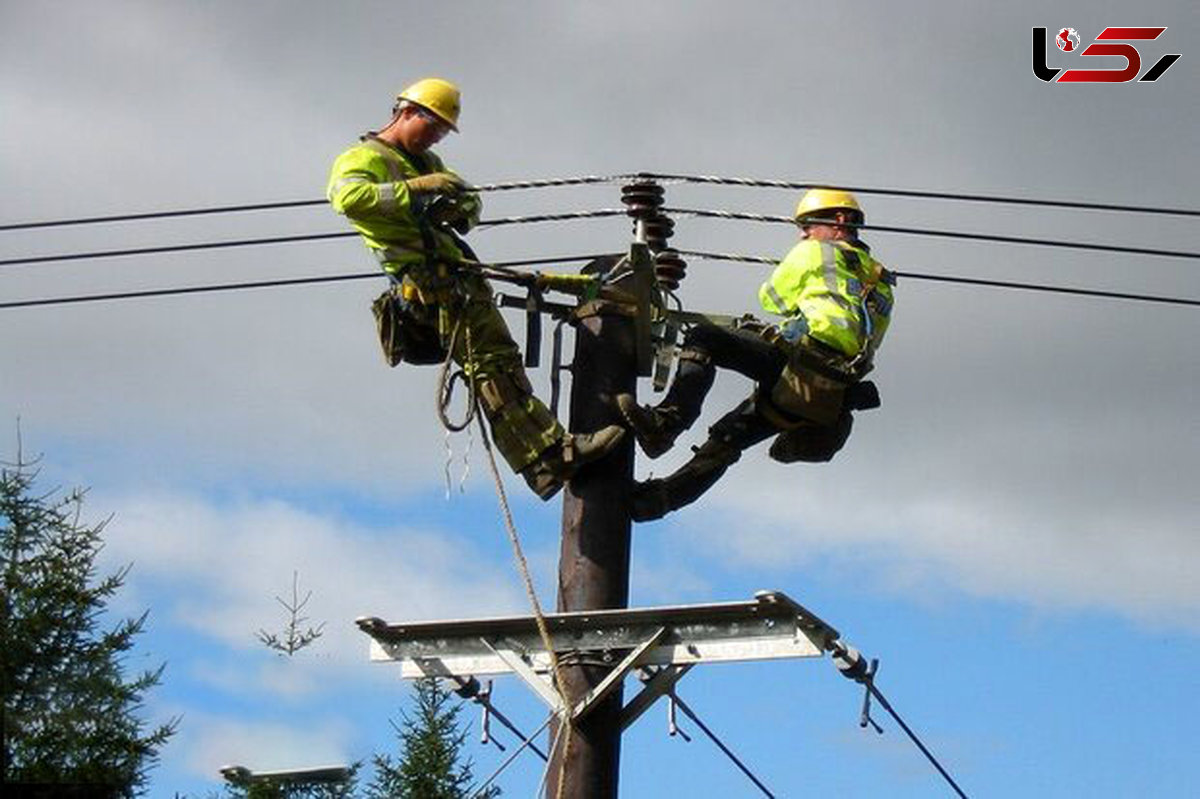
point(461, 213)
point(443, 183)
point(793, 329)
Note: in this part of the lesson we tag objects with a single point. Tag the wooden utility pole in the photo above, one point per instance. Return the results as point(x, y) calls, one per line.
point(612, 348)
point(593, 570)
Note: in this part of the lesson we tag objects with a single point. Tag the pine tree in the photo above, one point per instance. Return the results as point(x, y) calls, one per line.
point(431, 743)
point(70, 716)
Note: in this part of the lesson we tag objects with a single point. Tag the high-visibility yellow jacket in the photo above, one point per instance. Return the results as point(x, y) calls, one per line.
point(367, 185)
point(839, 293)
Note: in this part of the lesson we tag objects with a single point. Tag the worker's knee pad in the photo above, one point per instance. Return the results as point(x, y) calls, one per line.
point(497, 391)
point(523, 430)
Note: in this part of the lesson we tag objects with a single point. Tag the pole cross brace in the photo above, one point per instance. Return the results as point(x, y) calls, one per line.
point(543, 686)
point(660, 682)
point(617, 675)
point(520, 665)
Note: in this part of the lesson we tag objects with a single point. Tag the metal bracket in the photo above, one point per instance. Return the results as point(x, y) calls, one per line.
point(673, 727)
point(666, 333)
point(556, 366)
point(533, 327)
point(658, 682)
point(616, 676)
point(541, 686)
point(644, 290)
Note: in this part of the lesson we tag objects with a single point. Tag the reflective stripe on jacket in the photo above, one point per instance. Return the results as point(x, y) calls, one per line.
point(367, 185)
point(843, 294)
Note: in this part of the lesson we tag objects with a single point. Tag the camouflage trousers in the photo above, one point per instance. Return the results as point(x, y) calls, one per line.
point(470, 325)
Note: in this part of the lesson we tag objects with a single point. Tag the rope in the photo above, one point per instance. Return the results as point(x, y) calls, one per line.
point(543, 630)
point(950, 234)
point(444, 386)
point(1005, 284)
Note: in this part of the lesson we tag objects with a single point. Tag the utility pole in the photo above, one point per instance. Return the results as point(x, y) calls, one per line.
point(612, 348)
point(593, 570)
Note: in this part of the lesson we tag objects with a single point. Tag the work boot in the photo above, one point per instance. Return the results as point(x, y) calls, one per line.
point(655, 498)
point(559, 463)
point(650, 501)
point(655, 429)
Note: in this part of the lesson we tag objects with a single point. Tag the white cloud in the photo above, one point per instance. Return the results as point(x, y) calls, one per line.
point(212, 742)
point(218, 568)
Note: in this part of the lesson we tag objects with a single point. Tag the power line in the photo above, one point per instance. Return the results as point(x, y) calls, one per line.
point(853, 666)
point(604, 212)
point(207, 245)
point(575, 258)
point(205, 289)
point(953, 234)
point(258, 284)
point(272, 206)
point(1004, 284)
point(219, 209)
point(594, 179)
point(913, 737)
point(929, 195)
point(725, 749)
point(215, 245)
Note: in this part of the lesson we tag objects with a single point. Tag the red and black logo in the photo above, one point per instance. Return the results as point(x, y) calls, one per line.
point(1110, 42)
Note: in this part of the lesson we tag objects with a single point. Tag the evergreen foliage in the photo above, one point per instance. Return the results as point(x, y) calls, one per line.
point(431, 741)
point(70, 716)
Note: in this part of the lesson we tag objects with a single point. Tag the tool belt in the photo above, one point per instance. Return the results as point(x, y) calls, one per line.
point(406, 333)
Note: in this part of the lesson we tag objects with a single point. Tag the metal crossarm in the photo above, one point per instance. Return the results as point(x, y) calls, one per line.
point(770, 626)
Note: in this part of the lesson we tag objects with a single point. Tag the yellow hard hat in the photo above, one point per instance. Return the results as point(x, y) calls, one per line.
point(817, 200)
point(439, 96)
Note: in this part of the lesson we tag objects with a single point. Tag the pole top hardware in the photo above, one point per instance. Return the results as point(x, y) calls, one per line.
point(770, 626)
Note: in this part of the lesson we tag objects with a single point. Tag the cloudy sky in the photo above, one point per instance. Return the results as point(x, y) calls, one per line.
point(1013, 533)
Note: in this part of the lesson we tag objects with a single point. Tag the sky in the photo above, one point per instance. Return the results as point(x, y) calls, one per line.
point(1013, 534)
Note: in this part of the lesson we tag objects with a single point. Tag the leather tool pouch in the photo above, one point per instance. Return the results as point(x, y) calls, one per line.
point(405, 335)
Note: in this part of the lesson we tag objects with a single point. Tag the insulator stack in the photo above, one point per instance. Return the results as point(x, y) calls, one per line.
point(669, 268)
point(644, 200)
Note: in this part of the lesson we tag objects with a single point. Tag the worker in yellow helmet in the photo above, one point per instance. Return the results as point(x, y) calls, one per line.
point(411, 211)
point(836, 303)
